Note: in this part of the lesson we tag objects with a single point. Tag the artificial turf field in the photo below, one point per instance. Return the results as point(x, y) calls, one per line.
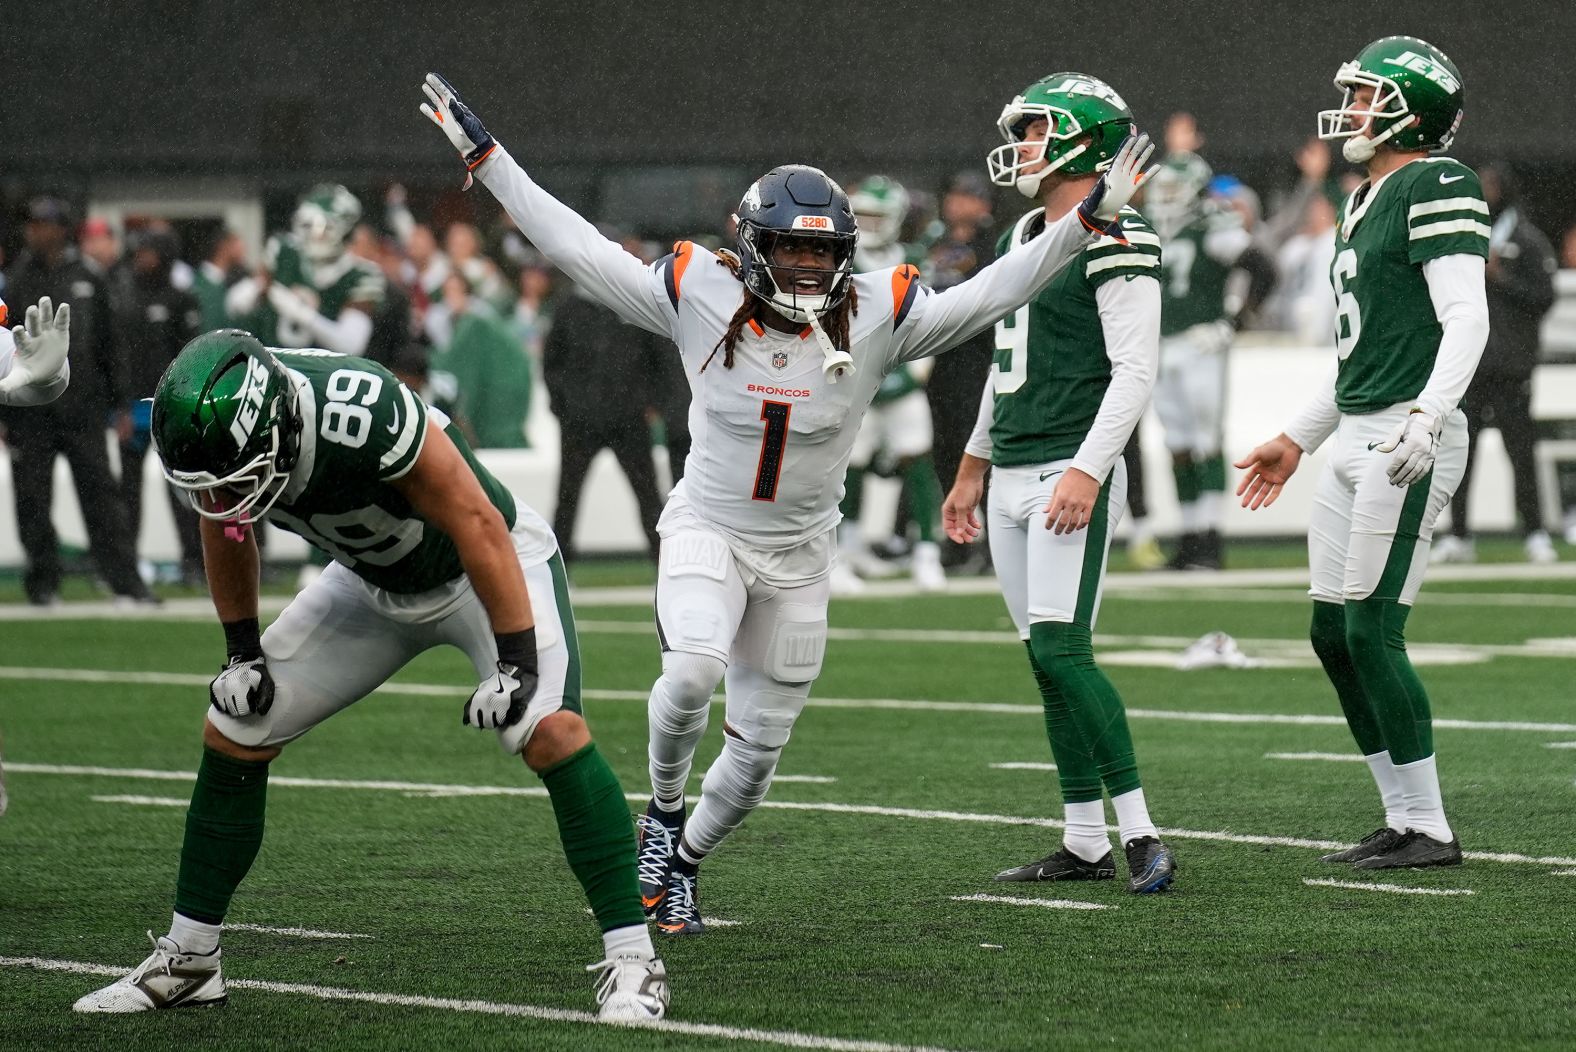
point(848, 890)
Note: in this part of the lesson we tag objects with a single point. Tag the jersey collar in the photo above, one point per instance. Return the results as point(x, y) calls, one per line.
point(1355, 215)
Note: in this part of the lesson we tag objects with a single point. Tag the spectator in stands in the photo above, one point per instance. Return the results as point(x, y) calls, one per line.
point(491, 375)
point(223, 264)
point(1519, 282)
point(464, 248)
point(391, 321)
point(156, 320)
point(100, 247)
point(1300, 235)
point(532, 315)
point(600, 379)
point(73, 425)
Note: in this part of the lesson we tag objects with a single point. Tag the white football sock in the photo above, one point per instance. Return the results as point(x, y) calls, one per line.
point(1211, 505)
point(633, 938)
point(194, 936)
point(733, 787)
point(1190, 517)
point(1390, 791)
point(1132, 817)
point(676, 714)
point(1085, 835)
point(1425, 808)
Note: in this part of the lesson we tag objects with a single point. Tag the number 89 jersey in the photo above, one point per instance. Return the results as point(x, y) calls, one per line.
point(360, 430)
point(1385, 326)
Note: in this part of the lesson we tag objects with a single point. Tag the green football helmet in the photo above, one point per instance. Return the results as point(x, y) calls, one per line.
point(1416, 103)
point(324, 220)
point(1174, 195)
point(880, 205)
point(227, 426)
point(1086, 122)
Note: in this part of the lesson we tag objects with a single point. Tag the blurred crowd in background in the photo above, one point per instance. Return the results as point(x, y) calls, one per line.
point(468, 313)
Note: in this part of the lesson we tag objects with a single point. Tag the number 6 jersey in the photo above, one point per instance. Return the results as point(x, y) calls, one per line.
point(772, 435)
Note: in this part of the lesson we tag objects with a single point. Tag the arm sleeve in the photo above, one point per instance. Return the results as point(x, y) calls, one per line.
point(1317, 419)
point(1455, 284)
point(348, 334)
point(1130, 319)
point(242, 298)
point(979, 444)
point(636, 292)
point(939, 321)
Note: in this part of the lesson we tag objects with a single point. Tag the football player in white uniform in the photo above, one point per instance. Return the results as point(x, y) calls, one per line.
point(784, 347)
point(34, 369)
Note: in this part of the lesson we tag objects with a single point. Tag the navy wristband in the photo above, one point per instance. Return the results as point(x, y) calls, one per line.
point(517, 649)
point(243, 639)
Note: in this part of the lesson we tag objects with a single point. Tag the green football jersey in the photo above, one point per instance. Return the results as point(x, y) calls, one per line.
point(1192, 281)
point(362, 429)
point(1385, 327)
point(1051, 367)
point(349, 279)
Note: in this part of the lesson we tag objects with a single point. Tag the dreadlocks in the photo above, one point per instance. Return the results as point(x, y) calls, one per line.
point(836, 322)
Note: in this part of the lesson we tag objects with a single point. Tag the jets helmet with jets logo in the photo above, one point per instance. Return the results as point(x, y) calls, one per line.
point(880, 205)
point(1174, 195)
point(796, 200)
point(227, 426)
point(1417, 100)
point(324, 220)
point(1086, 123)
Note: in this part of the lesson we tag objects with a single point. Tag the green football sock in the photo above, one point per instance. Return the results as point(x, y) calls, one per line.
point(853, 494)
point(1328, 635)
point(1185, 471)
point(1211, 474)
point(1376, 638)
point(224, 829)
point(1075, 766)
point(1066, 653)
point(924, 496)
point(598, 838)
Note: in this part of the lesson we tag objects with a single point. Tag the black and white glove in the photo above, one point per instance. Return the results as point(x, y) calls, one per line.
point(501, 698)
point(243, 687)
point(1116, 187)
point(41, 345)
point(1413, 444)
point(456, 120)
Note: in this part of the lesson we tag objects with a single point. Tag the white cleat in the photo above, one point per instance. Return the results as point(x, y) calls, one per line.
point(1214, 650)
point(926, 568)
point(632, 988)
point(1540, 548)
point(169, 978)
point(844, 581)
point(1453, 549)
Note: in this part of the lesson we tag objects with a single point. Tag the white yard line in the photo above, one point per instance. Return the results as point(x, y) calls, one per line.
point(446, 690)
point(1051, 904)
point(1560, 745)
point(1333, 757)
point(1023, 766)
point(1394, 889)
point(299, 933)
point(1563, 873)
point(803, 779)
point(790, 1038)
point(146, 801)
point(869, 810)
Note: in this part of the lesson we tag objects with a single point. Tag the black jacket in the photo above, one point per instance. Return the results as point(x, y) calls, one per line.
point(1520, 290)
point(157, 319)
point(98, 379)
point(597, 366)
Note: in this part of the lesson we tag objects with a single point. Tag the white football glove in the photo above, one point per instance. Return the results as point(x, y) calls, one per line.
point(288, 304)
point(242, 688)
point(1413, 444)
point(41, 345)
point(455, 119)
point(1117, 186)
point(501, 699)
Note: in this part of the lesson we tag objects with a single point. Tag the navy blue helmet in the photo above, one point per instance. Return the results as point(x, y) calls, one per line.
point(797, 201)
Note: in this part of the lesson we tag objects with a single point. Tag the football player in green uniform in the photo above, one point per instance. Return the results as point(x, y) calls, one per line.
point(1073, 373)
point(311, 291)
point(1411, 322)
point(898, 422)
point(428, 548)
point(1201, 245)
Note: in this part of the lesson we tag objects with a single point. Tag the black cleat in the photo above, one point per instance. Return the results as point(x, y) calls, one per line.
point(678, 912)
point(1378, 842)
point(1150, 865)
point(1061, 864)
point(1415, 851)
point(658, 838)
point(1187, 550)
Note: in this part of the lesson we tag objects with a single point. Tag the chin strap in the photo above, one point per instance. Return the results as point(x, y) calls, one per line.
point(838, 363)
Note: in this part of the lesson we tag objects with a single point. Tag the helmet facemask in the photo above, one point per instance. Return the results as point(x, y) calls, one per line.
point(1007, 161)
point(1174, 195)
point(1366, 128)
point(323, 236)
point(761, 272)
point(244, 496)
point(880, 206)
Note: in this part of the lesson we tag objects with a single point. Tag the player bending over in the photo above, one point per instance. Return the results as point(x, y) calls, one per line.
point(428, 548)
point(784, 348)
point(1073, 372)
point(1411, 322)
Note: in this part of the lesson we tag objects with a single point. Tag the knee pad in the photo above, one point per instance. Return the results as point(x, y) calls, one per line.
point(687, 682)
point(762, 711)
point(741, 774)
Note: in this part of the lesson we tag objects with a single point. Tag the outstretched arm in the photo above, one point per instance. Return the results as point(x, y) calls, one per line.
point(34, 369)
point(612, 276)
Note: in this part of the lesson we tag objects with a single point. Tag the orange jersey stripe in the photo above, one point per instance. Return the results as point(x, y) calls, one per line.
point(683, 252)
point(903, 279)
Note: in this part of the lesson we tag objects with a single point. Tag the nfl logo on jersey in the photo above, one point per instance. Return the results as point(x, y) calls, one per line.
point(780, 360)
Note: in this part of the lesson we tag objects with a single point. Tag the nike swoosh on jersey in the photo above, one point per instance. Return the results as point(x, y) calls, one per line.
point(1443, 178)
point(394, 427)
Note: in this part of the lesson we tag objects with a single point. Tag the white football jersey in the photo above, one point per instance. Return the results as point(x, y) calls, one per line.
point(771, 436)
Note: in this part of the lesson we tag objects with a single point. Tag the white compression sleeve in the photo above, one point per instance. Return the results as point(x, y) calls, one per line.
point(1456, 285)
point(979, 444)
point(1130, 318)
point(1316, 421)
